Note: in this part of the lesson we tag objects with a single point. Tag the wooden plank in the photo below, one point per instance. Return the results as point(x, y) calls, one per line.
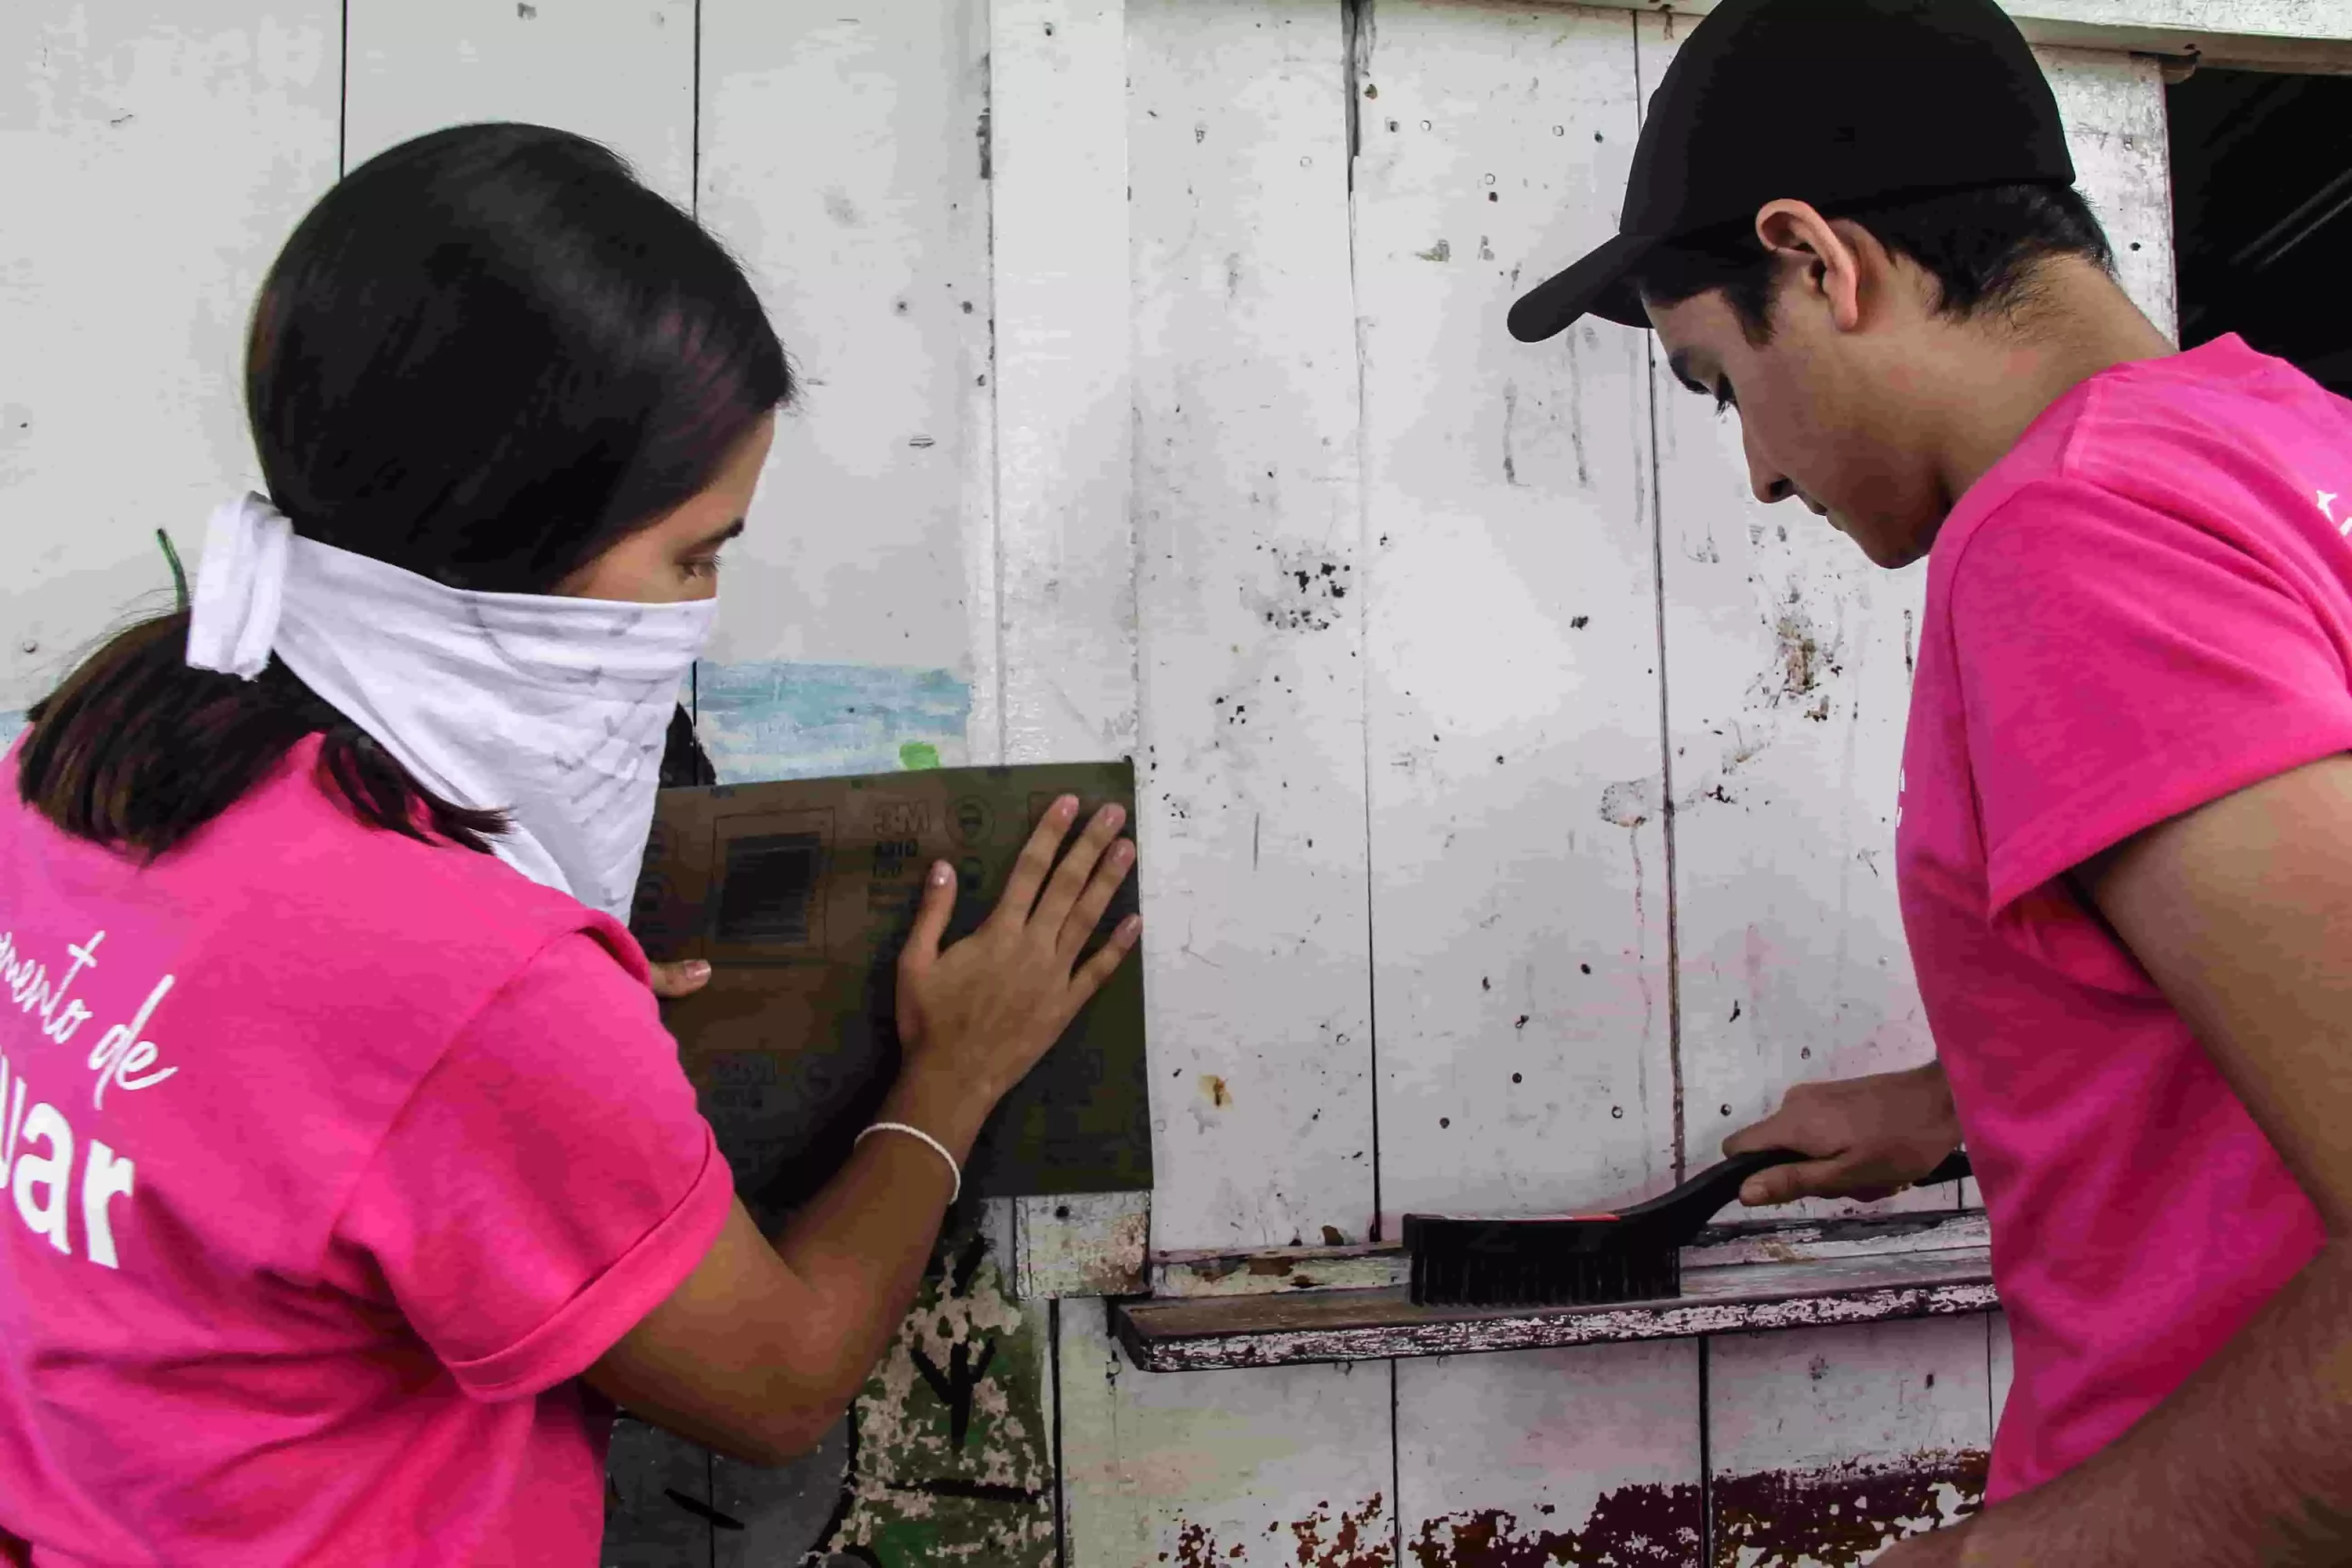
point(199, 120)
point(1583, 1455)
point(2275, 35)
point(873, 261)
point(1065, 629)
point(1250, 784)
point(1278, 1271)
point(1184, 1335)
point(1826, 1445)
point(1251, 793)
point(1199, 1470)
point(622, 75)
point(1518, 893)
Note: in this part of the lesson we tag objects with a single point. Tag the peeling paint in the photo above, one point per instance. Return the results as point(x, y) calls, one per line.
point(1199, 1335)
point(1643, 1526)
point(1836, 1516)
point(952, 1460)
point(1358, 1537)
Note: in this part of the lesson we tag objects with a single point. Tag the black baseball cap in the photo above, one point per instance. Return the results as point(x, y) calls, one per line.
point(1826, 101)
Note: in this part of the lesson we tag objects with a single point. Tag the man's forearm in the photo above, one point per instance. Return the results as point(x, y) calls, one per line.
point(2248, 1465)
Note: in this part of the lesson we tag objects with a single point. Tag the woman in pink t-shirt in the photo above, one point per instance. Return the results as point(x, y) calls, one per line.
point(354, 1177)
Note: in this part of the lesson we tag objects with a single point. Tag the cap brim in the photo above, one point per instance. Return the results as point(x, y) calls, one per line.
point(1600, 285)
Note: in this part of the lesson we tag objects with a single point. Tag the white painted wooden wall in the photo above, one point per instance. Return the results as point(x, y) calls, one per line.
point(1172, 433)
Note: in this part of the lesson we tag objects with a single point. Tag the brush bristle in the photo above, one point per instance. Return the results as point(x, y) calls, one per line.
point(1465, 1267)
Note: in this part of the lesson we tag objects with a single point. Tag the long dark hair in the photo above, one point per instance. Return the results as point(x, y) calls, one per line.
point(484, 356)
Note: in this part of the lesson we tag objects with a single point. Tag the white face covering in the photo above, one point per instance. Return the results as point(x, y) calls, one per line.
point(553, 710)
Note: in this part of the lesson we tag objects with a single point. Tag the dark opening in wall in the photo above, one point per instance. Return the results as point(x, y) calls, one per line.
point(2261, 214)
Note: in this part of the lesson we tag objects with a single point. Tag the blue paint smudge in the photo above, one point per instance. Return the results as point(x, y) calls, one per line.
point(777, 720)
point(12, 724)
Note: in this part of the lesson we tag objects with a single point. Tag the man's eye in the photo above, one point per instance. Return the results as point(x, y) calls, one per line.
point(1724, 397)
point(703, 566)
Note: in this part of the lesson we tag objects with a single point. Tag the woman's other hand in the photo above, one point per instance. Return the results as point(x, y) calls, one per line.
point(681, 979)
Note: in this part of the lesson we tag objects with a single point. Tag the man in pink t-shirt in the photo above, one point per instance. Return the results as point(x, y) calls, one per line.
point(2125, 836)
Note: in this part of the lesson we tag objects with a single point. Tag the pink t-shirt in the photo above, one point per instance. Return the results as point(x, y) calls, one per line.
point(334, 1159)
point(2146, 606)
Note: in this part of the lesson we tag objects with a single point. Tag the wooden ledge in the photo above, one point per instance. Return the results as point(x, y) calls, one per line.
point(1207, 1332)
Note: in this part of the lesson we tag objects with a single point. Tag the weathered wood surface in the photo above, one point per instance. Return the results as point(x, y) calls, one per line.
point(2116, 132)
point(1248, 524)
point(1278, 1271)
point(1251, 637)
point(1089, 1244)
point(1826, 1447)
point(840, 161)
point(156, 158)
point(1519, 892)
point(1195, 1334)
point(1287, 1464)
point(623, 76)
point(1589, 1456)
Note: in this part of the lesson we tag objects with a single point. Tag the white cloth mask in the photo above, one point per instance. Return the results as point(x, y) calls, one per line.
point(553, 710)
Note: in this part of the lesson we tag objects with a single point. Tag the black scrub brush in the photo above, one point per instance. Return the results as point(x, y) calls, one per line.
point(1575, 1260)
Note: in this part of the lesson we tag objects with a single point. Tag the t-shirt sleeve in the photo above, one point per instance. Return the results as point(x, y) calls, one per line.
point(2120, 665)
point(549, 1182)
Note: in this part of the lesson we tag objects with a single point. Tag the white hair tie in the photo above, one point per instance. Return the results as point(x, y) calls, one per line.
point(240, 587)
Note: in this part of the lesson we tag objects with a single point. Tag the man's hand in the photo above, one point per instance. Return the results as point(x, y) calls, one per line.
point(1869, 1137)
point(681, 979)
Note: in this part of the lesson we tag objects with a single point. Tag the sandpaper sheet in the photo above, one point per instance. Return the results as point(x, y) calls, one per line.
point(800, 894)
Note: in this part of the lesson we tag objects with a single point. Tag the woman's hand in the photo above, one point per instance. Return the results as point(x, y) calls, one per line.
point(681, 979)
point(1870, 1137)
point(979, 1016)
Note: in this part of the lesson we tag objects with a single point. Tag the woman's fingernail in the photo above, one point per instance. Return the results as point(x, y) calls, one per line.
point(697, 969)
point(941, 874)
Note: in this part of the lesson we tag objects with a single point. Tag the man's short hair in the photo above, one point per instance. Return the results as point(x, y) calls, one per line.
point(1980, 246)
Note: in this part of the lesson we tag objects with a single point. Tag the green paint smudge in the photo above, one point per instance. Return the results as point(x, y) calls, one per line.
point(917, 754)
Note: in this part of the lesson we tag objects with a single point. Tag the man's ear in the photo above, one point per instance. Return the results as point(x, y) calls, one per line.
point(1822, 259)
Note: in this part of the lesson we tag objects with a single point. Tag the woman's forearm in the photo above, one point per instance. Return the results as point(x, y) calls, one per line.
point(863, 1242)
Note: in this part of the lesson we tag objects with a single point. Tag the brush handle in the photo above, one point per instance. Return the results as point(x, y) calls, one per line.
point(1694, 1203)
